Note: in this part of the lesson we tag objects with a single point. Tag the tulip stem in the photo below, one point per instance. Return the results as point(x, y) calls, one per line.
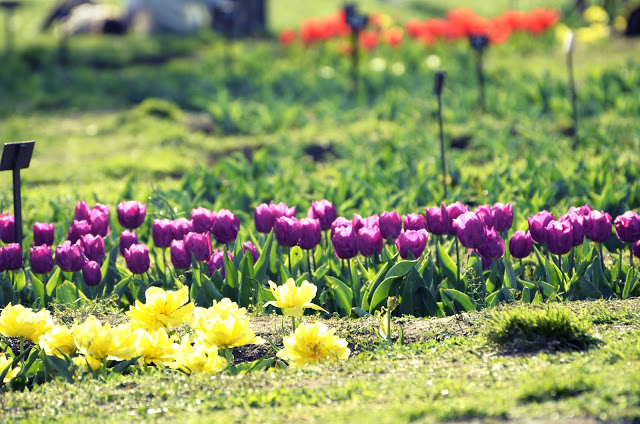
point(521, 269)
point(437, 238)
point(561, 271)
point(164, 262)
point(293, 323)
point(353, 283)
point(572, 262)
point(229, 357)
point(289, 255)
point(457, 260)
point(631, 254)
point(601, 256)
point(309, 267)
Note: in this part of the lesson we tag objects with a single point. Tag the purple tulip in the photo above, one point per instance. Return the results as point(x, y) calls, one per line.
point(538, 223)
point(181, 227)
point(521, 244)
point(91, 273)
point(226, 226)
point(137, 258)
point(131, 214)
point(310, 233)
point(597, 226)
point(284, 210)
point(345, 242)
point(216, 262)
point(484, 213)
point(390, 225)
point(628, 227)
point(202, 220)
point(486, 262)
point(127, 239)
point(43, 233)
point(8, 229)
point(434, 221)
point(412, 241)
point(340, 221)
point(577, 227)
point(93, 247)
point(41, 258)
point(99, 221)
point(198, 245)
point(77, 230)
point(581, 210)
point(83, 212)
point(371, 221)
point(324, 211)
point(287, 231)
point(558, 237)
point(12, 257)
point(248, 246)
point(635, 249)
point(370, 241)
point(2, 268)
point(179, 256)
point(493, 247)
point(449, 213)
point(69, 257)
point(101, 208)
point(264, 218)
point(414, 221)
point(502, 216)
point(470, 230)
point(162, 231)
point(357, 222)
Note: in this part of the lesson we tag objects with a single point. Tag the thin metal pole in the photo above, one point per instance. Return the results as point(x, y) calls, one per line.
point(17, 205)
point(574, 100)
point(480, 72)
point(439, 85)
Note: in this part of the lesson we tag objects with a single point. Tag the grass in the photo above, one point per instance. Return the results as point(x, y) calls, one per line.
point(441, 375)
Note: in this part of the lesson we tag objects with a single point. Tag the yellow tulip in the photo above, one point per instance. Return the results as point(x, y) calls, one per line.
point(313, 343)
point(101, 342)
point(595, 15)
point(293, 300)
point(5, 363)
point(197, 358)
point(162, 309)
point(223, 325)
point(58, 340)
point(18, 321)
point(154, 347)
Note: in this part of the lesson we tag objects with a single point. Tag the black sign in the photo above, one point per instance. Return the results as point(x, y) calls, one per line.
point(479, 42)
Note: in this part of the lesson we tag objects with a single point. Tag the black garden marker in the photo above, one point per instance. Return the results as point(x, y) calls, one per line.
point(357, 23)
point(437, 90)
point(479, 43)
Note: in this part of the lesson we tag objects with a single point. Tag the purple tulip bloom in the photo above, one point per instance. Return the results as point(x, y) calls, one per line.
point(521, 244)
point(198, 245)
point(8, 229)
point(93, 247)
point(43, 234)
point(181, 227)
point(414, 221)
point(69, 257)
point(486, 262)
point(83, 212)
point(340, 221)
point(131, 214)
point(493, 247)
point(248, 246)
point(216, 262)
point(310, 233)
point(357, 222)
point(137, 258)
point(434, 221)
point(371, 221)
point(99, 221)
point(264, 218)
point(179, 256)
point(581, 210)
point(484, 213)
point(577, 227)
point(390, 225)
point(449, 213)
point(41, 258)
point(324, 211)
point(77, 230)
point(635, 249)
point(537, 225)
point(470, 230)
point(558, 237)
point(12, 257)
point(91, 273)
point(127, 239)
point(412, 241)
point(628, 227)
point(597, 226)
point(287, 231)
point(283, 210)
point(163, 232)
point(226, 227)
point(370, 241)
point(502, 216)
point(345, 242)
point(202, 220)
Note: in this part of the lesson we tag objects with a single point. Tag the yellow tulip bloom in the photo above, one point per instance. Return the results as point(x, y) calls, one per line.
point(58, 340)
point(5, 363)
point(595, 15)
point(197, 358)
point(293, 299)
point(313, 343)
point(162, 309)
point(223, 325)
point(18, 321)
point(155, 347)
point(101, 342)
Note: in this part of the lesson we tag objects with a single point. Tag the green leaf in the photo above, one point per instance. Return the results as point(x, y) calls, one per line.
point(460, 300)
point(257, 365)
point(68, 294)
point(448, 267)
point(401, 269)
point(19, 280)
point(263, 261)
point(388, 288)
point(122, 366)
point(628, 284)
point(53, 282)
point(373, 285)
point(343, 294)
point(435, 310)
point(60, 366)
point(38, 287)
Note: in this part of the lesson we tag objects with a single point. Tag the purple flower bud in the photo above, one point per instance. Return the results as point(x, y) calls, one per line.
point(69, 257)
point(345, 242)
point(287, 231)
point(434, 221)
point(372, 221)
point(470, 230)
point(412, 241)
point(558, 237)
point(484, 213)
point(341, 221)
point(179, 256)
point(8, 229)
point(43, 234)
point(131, 214)
point(198, 245)
point(202, 220)
point(283, 210)
point(247, 245)
point(181, 227)
point(370, 241)
point(264, 218)
point(538, 223)
point(99, 221)
point(449, 213)
point(414, 221)
point(577, 227)
point(93, 247)
point(216, 262)
point(127, 239)
point(323, 211)
point(628, 227)
point(493, 247)
point(77, 230)
point(137, 258)
point(597, 226)
point(12, 257)
point(390, 225)
point(83, 212)
point(502, 216)
point(521, 244)
point(310, 233)
point(162, 231)
point(226, 226)
point(41, 258)
point(91, 273)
